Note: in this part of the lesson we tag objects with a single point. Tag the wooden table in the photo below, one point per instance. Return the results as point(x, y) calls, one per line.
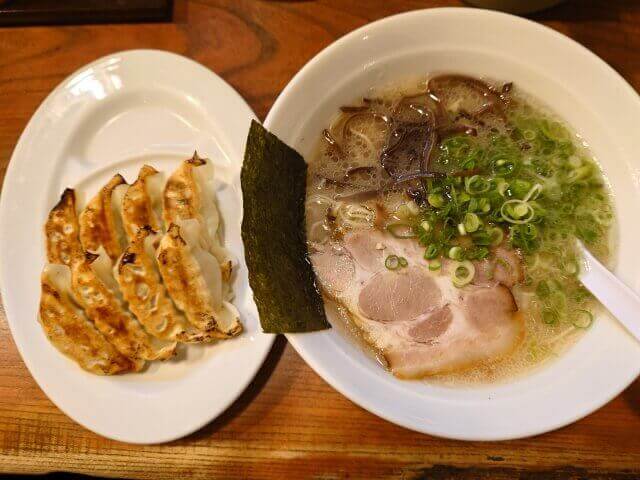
point(289, 423)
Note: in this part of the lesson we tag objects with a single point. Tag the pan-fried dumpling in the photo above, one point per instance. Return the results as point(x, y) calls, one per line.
point(142, 203)
point(96, 291)
point(67, 327)
point(61, 230)
point(194, 280)
point(189, 193)
point(139, 279)
point(101, 220)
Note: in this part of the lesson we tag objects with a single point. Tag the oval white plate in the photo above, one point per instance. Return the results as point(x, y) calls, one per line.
point(587, 93)
point(114, 115)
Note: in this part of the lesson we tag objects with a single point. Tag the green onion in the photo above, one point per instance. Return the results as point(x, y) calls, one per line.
point(413, 207)
point(431, 252)
point(401, 230)
point(435, 200)
point(520, 188)
point(463, 273)
point(542, 289)
point(463, 197)
point(403, 262)
point(456, 253)
point(403, 211)
point(517, 211)
point(471, 222)
point(461, 229)
point(481, 238)
point(582, 319)
point(484, 205)
point(476, 184)
point(497, 235)
point(502, 186)
point(434, 265)
point(392, 262)
point(578, 174)
point(533, 193)
point(549, 317)
point(425, 226)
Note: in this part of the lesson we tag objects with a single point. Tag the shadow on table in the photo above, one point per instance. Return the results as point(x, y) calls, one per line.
point(632, 396)
point(250, 393)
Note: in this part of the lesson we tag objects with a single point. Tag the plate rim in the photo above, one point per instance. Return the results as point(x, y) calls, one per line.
point(298, 340)
point(12, 311)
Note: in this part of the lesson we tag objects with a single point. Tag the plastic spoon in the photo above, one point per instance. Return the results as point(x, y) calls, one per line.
point(620, 300)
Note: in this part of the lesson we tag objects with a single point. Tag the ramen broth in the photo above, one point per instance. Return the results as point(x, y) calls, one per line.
point(466, 169)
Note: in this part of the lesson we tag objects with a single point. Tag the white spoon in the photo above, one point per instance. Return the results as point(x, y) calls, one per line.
point(620, 300)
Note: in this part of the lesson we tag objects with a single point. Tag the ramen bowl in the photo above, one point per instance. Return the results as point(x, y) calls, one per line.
point(593, 100)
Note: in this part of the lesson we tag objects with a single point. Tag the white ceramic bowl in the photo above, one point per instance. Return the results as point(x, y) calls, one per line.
point(581, 88)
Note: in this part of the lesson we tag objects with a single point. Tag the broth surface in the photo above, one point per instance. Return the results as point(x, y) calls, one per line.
point(465, 168)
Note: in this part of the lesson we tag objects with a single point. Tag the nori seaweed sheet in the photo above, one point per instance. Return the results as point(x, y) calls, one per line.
point(274, 180)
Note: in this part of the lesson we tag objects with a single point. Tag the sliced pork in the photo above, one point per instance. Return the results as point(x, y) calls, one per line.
point(417, 318)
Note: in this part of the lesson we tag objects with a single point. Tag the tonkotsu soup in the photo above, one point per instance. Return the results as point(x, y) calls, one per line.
point(442, 218)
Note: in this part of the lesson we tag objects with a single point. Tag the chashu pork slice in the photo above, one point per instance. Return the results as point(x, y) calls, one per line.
point(141, 286)
point(194, 280)
point(69, 330)
point(418, 319)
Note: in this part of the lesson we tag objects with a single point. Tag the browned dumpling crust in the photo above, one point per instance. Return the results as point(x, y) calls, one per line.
point(192, 293)
point(99, 225)
point(72, 333)
point(109, 316)
point(61, 230)
point(142, 288)
point(137, 205)
point(182, 199)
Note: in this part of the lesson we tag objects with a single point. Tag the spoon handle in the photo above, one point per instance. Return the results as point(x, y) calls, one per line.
point(617, 297)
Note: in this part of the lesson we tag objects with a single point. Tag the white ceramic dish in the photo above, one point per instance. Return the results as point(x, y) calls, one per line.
point(591, 97)
point(114, 115)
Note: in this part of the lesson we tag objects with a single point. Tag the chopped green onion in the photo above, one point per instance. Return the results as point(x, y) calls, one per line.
point(502, 186)
point(476, 184)
point(463, 273)
point(403, 262)
point(435, 200)
point(456, 253)
point(481, 238)
point(413, 207)
point(401, 230)
point(392, 262)
point(461, 229)
point(520, 188)
point(434, 265)
point(463, 197)
point(426, 226)
point(582, 319)
point(484, 205)
point(403, 212)
point(517, 211)
point(471, 222)
point(497, 235)
point(533, 193)
point(549, 317)
point(431, 252)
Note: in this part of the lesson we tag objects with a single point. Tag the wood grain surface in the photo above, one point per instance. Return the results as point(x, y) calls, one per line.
point(289, 423)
